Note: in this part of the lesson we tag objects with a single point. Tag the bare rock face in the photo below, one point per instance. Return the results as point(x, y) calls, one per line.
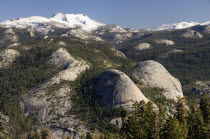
point(143, 46)
point(153, 74)
point(7, 57)
point(116, 89)
point(61, 58)
point(192, 34)
point(51, 106)
point(165, 42)
point(71, 67)
point(51, 102)
point(79, 33)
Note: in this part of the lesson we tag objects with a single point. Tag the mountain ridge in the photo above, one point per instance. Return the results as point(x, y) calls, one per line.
point(181, 25)
point(82, 21)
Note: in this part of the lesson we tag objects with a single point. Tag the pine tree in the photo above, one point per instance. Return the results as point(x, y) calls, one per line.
point(173, 129)
point(161, 116)
point(131, 129)
point(205, 108)
point(196, 125)
point(151, 120)
point(181, 110)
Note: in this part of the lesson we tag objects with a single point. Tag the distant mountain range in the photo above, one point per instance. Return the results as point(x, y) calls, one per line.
point(181, 25)
point(81, 21)
point(58, 20)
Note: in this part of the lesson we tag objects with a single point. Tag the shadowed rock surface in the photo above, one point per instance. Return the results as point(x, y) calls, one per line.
point(116, 89)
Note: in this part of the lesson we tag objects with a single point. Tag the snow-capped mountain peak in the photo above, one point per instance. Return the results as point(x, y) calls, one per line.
point(181, 25)
point(59, 20)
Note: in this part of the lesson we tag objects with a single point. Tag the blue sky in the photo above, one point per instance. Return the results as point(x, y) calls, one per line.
point(126, 13)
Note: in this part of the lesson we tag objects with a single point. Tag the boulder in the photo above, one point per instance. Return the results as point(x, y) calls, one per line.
point(116, 89)
point(153, 74)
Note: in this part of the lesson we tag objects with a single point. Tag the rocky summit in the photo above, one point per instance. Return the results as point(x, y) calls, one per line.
point(153, 74)
point(116, 89)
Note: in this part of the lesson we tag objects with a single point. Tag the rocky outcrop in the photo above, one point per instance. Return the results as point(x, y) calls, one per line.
point(109, 29)
point(51, 102)
point(120, 37)
point(61, 58)
point(117, 122)
point(31, 33)
point(143, 46)
point(132, 30)
point(51, 107)
point(79, 33)
point(116, 89)
point(5, 126)
point(118, 53)
point(61, 43)
point(200, 87)
point(14, 45)
point(7, 57)
point(153, 74)
point(165, 42)
point(192, 34)
point(9, 36)
point(72, 68)
point(207, 29)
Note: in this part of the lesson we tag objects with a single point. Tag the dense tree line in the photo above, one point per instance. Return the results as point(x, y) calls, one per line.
point(148, 122)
